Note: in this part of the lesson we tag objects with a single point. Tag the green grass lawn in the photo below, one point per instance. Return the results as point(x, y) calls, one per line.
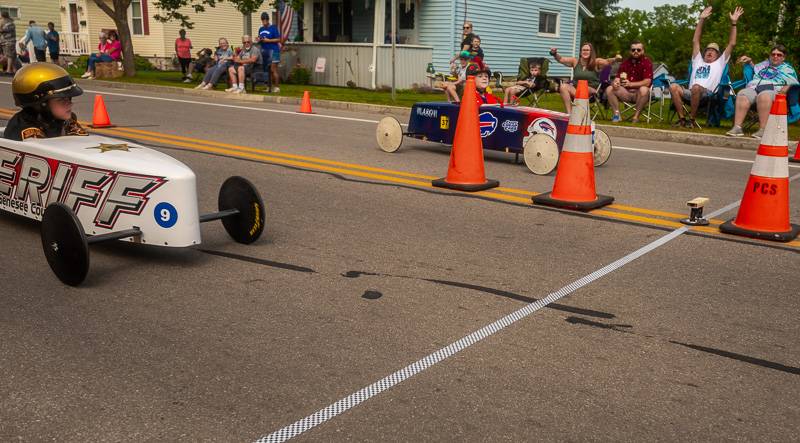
point(406, 98)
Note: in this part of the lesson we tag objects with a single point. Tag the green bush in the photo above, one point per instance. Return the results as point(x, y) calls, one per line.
point(142, 64)
point(81, 62)
point(300, 75)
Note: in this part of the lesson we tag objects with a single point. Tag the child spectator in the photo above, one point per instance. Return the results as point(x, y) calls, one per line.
point(533, 81)
point(482, 75)
point(459, 70)
point(204, 60)
point(183, 50)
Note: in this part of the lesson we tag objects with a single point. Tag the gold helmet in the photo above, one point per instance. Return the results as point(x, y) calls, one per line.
point(35, 83)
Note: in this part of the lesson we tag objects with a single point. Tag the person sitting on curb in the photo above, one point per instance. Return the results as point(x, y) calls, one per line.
point(632, 83)
point(533, 81)
point(770, 76)
point(248, 59)
point(222, 59)
point(707, 70)
point(109, 50)
point(587, 67)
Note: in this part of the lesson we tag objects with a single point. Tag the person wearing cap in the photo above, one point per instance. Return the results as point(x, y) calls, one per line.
point(452, 89)
point(771, 76)
point(482, 75)
point(270, 36)
point(44, 91)
point(707, 69)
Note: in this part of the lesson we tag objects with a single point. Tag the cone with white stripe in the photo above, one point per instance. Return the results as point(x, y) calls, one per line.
point(796, 158)
point(574, 186)
point(764, 212)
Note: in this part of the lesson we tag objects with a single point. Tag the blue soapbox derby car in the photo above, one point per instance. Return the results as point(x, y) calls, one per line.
point(537, 134)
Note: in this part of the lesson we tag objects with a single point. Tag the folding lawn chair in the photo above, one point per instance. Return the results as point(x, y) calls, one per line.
point(719, 104)
point(660, 83)
point(598, 102)
point(532, 95)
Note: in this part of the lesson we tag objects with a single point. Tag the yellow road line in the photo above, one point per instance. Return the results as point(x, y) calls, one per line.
point(394, 176)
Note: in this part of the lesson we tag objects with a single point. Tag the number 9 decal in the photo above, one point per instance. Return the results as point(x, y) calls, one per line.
point(166, 215)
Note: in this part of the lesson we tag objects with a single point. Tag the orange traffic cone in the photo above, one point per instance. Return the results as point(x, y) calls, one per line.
point(796, 158)
point(305, 105)
point(574, 185)
point(465, 172)
point(764, 212)
point(100, 115)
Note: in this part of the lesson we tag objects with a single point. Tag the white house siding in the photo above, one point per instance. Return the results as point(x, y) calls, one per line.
point(435, 23)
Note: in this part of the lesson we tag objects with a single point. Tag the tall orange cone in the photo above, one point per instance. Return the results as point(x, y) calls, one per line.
point(466, 172)
point(305, 105)
point(796, 158)
point(764, 212)
point(574, 186)
point(100, 115)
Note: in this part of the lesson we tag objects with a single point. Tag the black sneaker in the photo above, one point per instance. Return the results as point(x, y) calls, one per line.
point(681, 123)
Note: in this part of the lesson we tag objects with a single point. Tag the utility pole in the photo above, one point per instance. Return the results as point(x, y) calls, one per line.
point(394, 39)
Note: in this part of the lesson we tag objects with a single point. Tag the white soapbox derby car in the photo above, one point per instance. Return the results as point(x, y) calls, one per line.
point(90, 189)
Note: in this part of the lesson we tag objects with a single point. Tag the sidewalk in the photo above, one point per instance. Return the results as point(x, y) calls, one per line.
point(402, 113)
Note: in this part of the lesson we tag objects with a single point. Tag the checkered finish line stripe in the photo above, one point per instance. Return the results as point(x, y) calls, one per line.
point(355, 399)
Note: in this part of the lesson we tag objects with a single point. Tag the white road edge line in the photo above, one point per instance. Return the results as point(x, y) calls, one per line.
point(363, 120)
point(415, 368)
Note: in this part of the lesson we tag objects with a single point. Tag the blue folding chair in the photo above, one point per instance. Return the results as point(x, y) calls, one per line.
point(719, 104)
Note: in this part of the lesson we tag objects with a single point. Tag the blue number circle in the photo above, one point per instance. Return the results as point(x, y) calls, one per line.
point(165, 214)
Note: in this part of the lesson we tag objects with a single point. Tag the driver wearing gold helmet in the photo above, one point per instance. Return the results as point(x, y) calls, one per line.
point(44, 91)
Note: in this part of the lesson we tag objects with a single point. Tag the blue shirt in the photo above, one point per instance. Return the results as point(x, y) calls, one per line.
point(36, 35)
point(269, 32)
point(52, 42)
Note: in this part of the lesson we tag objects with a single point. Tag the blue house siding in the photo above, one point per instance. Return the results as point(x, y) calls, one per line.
point(436, 29)
point(509, 30)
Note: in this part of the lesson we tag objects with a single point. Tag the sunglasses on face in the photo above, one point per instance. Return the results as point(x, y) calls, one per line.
point(777, 54)
point(637, 49)
point(467, 27)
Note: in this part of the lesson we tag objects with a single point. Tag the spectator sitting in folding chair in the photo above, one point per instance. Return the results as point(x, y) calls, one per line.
point(587, 67)
point(532, 82)
point(459, 71)
point(771, 75)
point(706, 70)
point(632, 83)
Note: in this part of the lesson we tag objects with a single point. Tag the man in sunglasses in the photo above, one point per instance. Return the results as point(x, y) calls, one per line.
point(706, 69)
point(771, 76)
point(632, 83)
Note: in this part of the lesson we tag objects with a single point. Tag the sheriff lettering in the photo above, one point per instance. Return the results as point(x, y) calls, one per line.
point(28, 183)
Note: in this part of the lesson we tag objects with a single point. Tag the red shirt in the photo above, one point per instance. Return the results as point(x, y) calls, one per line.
point(637, 70)
point(485, 98)
point(183, 48)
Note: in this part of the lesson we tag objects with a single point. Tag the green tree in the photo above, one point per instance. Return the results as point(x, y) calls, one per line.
point(668, 39)
point(171, 9)
point(118, 11)
point(596, 30)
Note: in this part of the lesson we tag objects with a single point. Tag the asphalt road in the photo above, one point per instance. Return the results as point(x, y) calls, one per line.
point(361, 273)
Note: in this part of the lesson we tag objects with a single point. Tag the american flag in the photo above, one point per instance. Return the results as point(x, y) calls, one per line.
point(285, 16)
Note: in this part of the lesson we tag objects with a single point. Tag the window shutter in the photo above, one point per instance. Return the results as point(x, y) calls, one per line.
point(145, 18)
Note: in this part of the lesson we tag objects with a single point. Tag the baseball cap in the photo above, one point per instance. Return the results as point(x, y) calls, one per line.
point(464, 54)
point(713, 46)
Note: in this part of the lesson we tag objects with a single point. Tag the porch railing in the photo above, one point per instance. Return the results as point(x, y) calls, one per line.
point(74, 43)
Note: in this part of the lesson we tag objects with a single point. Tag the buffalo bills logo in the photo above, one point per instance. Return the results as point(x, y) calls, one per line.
point(541, 126)
point(488, 123)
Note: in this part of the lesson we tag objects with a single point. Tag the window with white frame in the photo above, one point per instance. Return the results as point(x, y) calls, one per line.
point(137, 18)
point(548, 23)
point(13, 12)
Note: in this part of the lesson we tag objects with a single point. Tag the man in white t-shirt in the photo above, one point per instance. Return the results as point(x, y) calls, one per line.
point(707, 69)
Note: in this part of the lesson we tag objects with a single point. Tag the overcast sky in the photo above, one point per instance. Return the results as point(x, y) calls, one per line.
point(648, 5)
